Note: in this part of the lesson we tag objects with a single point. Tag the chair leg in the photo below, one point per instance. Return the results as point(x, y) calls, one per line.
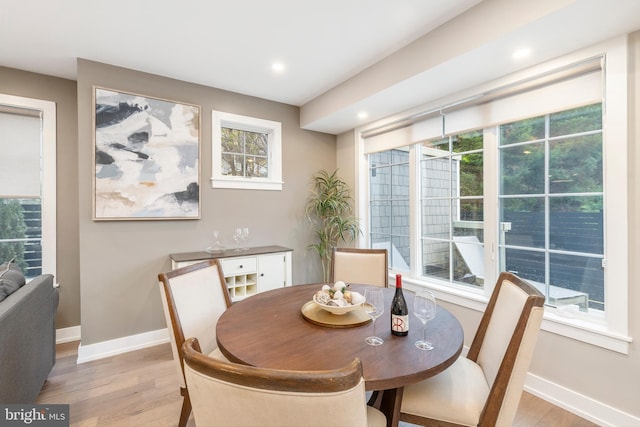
point(186, 411)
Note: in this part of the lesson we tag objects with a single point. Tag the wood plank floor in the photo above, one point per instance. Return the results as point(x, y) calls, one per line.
point(140, 388)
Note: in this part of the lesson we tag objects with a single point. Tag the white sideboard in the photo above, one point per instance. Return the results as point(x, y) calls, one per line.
point(248, 271)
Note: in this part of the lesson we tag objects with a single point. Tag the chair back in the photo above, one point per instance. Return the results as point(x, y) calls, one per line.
point(194, 297)
point(224, 392)
point(504, 343)
point(365, 266)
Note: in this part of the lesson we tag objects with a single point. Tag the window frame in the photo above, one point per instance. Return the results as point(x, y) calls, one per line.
point(250, 124)
point(48, 174)
point(609, 331)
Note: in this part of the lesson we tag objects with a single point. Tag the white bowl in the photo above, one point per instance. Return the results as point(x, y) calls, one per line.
point(335, 309)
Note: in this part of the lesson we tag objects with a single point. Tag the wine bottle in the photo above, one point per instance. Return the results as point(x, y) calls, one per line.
point(399, 311)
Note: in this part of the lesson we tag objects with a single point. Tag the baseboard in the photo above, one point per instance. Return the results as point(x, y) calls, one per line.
point(67, 334)
point(576, 403)
point(87, 353)
point(583, 406)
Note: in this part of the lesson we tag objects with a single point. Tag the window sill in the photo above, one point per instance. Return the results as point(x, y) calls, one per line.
point(585, 331)
point(559, 322)
point(246, 184)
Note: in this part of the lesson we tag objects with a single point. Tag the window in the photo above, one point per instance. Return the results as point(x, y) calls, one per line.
point(451, 202)
point(389, 205)
point(551, 201)
point(521, 178)
point(246, 152)
point(27, 184)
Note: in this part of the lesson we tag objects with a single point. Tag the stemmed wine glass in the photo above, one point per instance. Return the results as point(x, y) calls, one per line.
point(237, 236)
point(424, 308)
point(245, 237)
point(374, 306)
point(217, 246)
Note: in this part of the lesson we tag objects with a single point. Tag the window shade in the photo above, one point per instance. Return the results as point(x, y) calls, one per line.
point(419, 131)
point(572, 86)
point(20, 159)
point(574, 92)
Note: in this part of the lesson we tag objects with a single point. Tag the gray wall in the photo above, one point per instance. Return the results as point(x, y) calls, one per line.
point(63, 93)
point(120, 260)
point(107, 270)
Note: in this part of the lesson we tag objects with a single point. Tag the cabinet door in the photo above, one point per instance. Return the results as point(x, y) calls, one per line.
point(271, 271)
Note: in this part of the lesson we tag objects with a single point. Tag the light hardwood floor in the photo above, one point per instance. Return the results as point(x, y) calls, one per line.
point(140, 389)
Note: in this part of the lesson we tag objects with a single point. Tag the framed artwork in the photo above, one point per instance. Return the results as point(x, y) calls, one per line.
point(147, 154)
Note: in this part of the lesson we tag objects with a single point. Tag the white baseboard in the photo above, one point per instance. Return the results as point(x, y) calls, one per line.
point(67, 334)
point(576, 403)
point(109, 348)
point(583, 406)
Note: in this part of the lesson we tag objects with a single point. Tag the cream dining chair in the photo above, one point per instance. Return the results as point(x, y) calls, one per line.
point(365, 266)
point(225, 393)
point(193, 297)
point(484, 389)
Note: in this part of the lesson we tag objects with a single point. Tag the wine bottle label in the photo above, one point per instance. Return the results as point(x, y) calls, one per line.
point(399, 323)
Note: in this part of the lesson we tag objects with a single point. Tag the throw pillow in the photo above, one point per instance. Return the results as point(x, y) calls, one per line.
point(11, 279)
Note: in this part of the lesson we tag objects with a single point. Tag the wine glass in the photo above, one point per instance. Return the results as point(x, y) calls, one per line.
point(374, 306)
point(217, 246)
point(245, 237)
point(424, 308)
point(237, 236)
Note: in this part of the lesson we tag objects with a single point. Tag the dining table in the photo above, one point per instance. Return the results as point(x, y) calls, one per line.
point(280, 329)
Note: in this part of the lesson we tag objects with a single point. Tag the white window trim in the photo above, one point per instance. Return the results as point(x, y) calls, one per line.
point(48, 192)
point(250, 124)
point(610, 332)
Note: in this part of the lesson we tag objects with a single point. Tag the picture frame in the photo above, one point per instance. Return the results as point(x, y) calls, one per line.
point(146, 157)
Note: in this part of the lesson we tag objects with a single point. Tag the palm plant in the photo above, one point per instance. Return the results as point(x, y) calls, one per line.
point(330, 212)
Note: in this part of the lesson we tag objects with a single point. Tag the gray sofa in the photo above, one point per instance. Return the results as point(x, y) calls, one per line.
point(27, 339)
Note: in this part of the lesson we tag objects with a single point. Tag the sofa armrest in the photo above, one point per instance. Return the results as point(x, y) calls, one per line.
point(27, 334)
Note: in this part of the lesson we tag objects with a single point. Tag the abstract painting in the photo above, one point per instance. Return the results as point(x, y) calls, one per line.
point(146, 158)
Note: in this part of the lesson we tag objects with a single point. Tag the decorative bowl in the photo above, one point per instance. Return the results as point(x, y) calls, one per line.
point(333, 309)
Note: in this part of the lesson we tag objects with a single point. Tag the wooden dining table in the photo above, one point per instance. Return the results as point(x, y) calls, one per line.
point(269, 330)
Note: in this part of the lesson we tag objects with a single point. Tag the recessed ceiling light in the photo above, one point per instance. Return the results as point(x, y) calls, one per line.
point(363, 115)
point(278, 67)
point(521, 53)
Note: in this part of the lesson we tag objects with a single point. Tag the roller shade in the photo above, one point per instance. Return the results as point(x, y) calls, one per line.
point(574, 92)
point(419, 131)
point(20, 158)
point(572, 86)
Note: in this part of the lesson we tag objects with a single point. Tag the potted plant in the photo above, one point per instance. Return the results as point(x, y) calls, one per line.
point(329, 210)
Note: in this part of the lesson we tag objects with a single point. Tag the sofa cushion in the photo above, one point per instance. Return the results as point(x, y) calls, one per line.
point(11, 279)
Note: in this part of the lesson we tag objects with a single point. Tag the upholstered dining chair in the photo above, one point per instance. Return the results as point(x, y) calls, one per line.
point(484, 389)
point(193, 297)
point(225, 393)
point(366, 266)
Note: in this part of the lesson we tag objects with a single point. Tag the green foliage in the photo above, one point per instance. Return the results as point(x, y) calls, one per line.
point(574, 162)
point(12, 226)
point(330, 212)
point(245, 153)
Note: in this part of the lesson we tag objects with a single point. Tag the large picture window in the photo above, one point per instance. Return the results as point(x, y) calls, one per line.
point(521, 178)
point(551, 200)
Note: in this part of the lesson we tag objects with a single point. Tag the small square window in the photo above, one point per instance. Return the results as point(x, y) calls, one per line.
point(247, 152)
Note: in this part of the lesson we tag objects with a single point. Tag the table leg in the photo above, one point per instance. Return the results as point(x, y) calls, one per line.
point(390, 405)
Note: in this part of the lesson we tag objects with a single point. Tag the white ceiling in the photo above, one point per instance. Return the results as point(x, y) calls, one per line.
point(232, 44)
point(225, 44)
